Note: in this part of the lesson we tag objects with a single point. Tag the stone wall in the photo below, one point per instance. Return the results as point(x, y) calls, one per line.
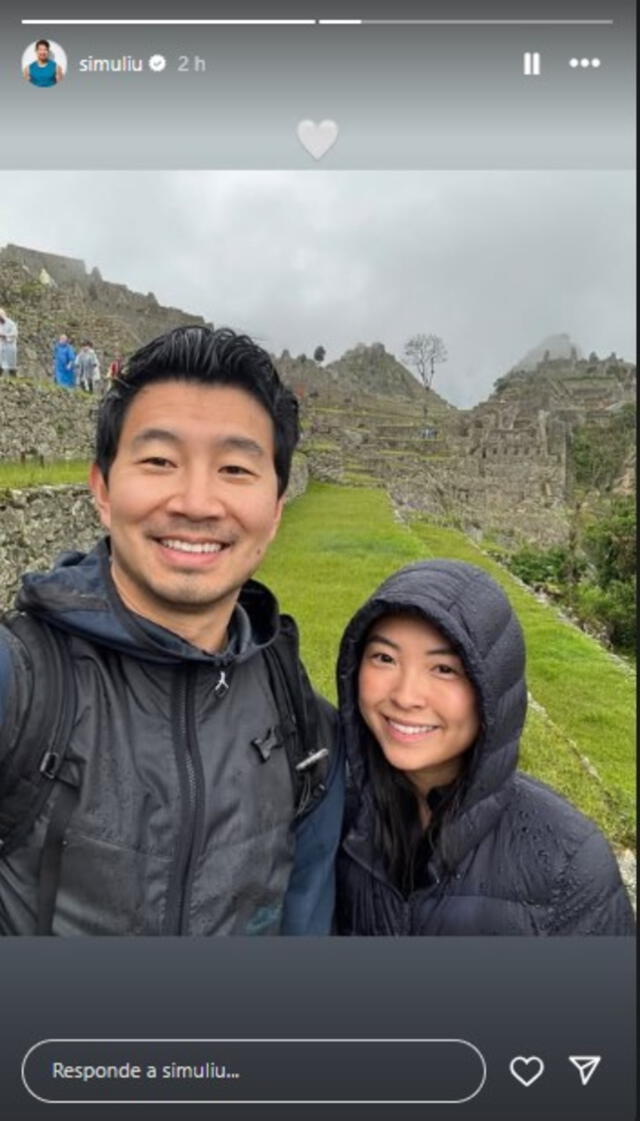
point(39, 420)
point(47, 295)
point(39, 523)
point(62, 270)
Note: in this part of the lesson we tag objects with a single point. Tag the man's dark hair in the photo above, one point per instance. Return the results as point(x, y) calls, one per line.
point(211, 357)
point(43, 43)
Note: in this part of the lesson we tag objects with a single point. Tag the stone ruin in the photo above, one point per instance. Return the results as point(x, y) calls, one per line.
point(501, 468)
point(48, 295)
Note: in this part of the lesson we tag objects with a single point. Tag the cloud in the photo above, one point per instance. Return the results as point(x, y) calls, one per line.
point(491, 261)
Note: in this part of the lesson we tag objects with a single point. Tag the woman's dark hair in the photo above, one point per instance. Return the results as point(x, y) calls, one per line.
point(211, 357)
point(398, 832)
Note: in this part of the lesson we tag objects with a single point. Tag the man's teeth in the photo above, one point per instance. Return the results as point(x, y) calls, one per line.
point(191, 547)
point(412, 729)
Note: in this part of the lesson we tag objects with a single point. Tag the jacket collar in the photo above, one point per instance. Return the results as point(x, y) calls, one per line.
point(78, 595)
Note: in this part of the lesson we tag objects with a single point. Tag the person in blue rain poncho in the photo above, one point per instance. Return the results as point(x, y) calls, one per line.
point(63, 363)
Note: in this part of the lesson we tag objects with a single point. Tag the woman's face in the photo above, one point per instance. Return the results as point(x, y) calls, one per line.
point(417, 700)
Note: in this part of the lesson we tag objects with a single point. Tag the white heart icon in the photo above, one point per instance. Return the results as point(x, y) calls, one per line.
point(317, 139)
point(526, 1068)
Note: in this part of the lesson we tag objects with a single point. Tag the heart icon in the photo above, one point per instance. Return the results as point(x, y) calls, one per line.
point(526, 1070)
point(317, 139)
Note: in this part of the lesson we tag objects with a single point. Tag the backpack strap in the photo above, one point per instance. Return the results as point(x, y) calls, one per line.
point(300, 723)
point(27, 776)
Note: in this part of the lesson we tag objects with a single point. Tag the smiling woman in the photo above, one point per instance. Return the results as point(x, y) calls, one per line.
point(417, 701)
point(444, 835)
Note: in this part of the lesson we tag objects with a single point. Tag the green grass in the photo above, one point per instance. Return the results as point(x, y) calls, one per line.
point(36, 474)
point(587, 696)
point(359, 479)
point(336, 544)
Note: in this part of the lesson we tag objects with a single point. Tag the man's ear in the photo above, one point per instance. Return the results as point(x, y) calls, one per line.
point(100, 493)
point(277, 517)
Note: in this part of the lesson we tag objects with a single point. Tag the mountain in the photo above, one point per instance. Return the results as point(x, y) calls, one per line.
point(554, 346)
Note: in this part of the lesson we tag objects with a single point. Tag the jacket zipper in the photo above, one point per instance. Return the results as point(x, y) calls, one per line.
point(187, 751)
point(408, 904)
point(195, 804)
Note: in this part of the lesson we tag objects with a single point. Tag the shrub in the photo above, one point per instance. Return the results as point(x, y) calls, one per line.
point(545, 569)
point(612, 608)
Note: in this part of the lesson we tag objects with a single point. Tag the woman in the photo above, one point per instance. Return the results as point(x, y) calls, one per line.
point(443, 835)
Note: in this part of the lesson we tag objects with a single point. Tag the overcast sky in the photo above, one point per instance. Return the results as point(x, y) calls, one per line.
point(491, 261)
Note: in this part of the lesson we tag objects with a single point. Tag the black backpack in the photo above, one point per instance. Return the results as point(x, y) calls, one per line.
point(27, 775)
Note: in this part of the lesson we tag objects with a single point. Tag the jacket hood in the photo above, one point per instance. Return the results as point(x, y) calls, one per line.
point(473, 612)
point(78, 595)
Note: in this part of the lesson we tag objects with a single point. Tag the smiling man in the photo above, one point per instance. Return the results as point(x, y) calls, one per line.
point(43, 71)
point(166, 767)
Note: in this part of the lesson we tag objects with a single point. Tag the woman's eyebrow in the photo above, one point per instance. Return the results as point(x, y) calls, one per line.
point(381, 638)
point(395, 646)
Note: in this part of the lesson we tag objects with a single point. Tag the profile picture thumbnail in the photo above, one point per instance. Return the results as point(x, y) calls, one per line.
point(44, 63)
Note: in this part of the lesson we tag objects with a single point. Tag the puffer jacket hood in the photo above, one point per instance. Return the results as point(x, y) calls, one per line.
point(469, 608)
point(78, 596)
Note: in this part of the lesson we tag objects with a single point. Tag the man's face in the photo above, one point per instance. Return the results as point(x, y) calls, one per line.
point(192, 499)
point(42, 52)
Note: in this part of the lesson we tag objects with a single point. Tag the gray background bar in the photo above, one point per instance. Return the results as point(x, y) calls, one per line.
point(402, 96)
point(509, 996)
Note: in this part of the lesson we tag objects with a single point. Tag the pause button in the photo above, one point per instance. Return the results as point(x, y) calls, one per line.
point(531, 64)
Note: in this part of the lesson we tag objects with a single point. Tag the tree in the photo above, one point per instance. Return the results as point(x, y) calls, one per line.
point(319, 354)
point(424, 353)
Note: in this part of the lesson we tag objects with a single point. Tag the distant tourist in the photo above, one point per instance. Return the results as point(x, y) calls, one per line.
point(63, 363)
point(115, 369)
point(44, 71)
point(87, 368)
point(8, 344)
point(444, 835)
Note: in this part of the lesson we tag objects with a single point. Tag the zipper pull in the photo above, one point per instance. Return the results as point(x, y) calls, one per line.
point(312, 759)
point(221, 686)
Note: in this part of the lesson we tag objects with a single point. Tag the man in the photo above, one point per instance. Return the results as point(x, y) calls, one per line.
point(8, 344)
point(187, 816)
point(64, 357)
point(43, 71)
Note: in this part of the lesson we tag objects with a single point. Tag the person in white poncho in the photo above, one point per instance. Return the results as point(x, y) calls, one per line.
point(8, 344)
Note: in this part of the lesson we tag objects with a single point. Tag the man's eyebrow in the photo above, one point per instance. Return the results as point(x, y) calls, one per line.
point(225, 443)
point(394, 645)
point(149, 434)
point(241, 444)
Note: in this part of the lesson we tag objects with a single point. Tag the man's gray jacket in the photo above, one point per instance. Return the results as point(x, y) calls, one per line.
point(184, 824)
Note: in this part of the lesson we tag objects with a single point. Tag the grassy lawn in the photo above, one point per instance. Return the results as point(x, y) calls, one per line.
point(587, 700)
point(336, 544)
point(37, 475)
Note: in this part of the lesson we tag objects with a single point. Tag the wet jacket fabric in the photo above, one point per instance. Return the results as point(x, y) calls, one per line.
point(513, 857)
point(182, 827)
